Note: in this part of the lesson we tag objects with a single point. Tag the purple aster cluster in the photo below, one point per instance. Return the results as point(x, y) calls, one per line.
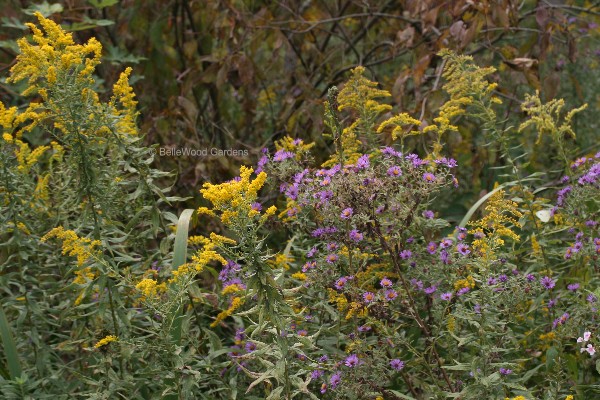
point(230, 275)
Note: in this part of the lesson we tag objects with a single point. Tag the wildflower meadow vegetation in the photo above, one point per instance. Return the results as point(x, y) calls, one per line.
point(317, 272)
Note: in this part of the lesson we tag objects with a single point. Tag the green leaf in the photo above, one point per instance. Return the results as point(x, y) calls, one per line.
point(10, 348)
point(598, 366)
point(99, 4)
point(46, 9)
point(551, 355)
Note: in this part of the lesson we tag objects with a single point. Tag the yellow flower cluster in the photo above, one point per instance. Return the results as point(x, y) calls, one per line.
point(398, 123)
point(467, 85)
point(26, 157)
point(54, 53)
point(359, 95)
point(73, 245)
point(356, 309)
point(53, 62)
point(296, 146)
point(236, 303)
point(123, 93)
point(516, 398)
point(281, 261)
point(464, 283)
point(150, 288)
point(545, 117)
point(83, 276)
point(203, 257)
point(489, 230)
point(234, 199)
point(106, 340)
point(338, 298)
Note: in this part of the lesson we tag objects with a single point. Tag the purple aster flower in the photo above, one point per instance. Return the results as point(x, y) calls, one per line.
point(397, 364)
point(364, 328)
point(430, 290)
point(573, 287)
point(335, 380)
point(445, 243)
point(356, 236)
point(368, 297)
point(505, 371)
point(323, 358)
point(591, 298)
point(283, 155)
point(503, 278)
point(477, 309)
point(323, 388)
point(446, 296)
point(530, 278)
point(311, 253)
point(405, 254)
point(445, 256)
point(463, 291)
point(390, 152)
point(428, 214)
point(250, 347)
point(385, 282)
point(331, 258)
point(394, 171)
point(432, 247)
point(552, 303)
point(316, 374)
point(363, 162)
point(261, 164)
point(429, 177)
point(491, 281)
point(256, 206)
point(346, 213)
point(463, 249)
point(390, 294)
point(547, 282)
point(351, 361)
point(339, 284)
point(332, 246)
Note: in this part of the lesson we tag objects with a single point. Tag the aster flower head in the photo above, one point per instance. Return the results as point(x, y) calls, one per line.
point(405, 254)
point(547, 282)
point(428, 214)
point(332, 258)
point(390, 294)
point(363, 162)
point(431, 247)
point(397, 364)
point(340, 283)
point(351, 361)
point(355, 235)
point(430, 290)
point(385, 282)
point(394, 171)
point(505, 371)
point(346, 213)
point(446, 296)
point(573, 287)
point(429, 177)
point(368, 297)
point(335, 379)
point(463, 249)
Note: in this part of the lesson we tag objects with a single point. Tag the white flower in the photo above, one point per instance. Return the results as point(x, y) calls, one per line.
point(586, 336)
point(591, 350)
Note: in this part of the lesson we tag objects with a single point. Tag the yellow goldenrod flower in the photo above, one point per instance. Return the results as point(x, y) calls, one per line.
point(236, 303)
point(106, 340)
point(73, 245)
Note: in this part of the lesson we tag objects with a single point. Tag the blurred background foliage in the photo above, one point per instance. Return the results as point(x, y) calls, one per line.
point(232, 74)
